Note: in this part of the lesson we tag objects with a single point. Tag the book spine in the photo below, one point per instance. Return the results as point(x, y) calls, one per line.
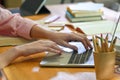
point(81, 19)
point(84, 13)
point(88, 14)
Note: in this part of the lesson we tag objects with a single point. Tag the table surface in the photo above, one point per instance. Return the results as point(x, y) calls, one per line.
point(28, 68)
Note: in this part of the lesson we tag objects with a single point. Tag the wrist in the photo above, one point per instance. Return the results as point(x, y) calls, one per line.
point(7, 57)
point(52, 35)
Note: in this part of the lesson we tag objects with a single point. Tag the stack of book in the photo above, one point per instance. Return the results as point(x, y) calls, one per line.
point(86, 11)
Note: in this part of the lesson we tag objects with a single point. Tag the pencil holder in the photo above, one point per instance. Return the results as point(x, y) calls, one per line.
point(104, 65)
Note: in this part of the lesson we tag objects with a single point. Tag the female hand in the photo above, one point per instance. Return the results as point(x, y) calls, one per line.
point(38, 46)
point(27, 49)
point(64, 38)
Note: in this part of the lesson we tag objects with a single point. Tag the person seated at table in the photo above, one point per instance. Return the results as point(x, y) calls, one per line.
point(15, 25)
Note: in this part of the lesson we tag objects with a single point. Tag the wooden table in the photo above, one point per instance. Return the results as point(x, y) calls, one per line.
point(28, 68)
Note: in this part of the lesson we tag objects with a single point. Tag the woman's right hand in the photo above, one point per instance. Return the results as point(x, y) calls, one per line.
point(38, 46)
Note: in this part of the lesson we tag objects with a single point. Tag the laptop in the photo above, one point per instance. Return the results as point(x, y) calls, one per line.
point(71, 58)
point(31, 7)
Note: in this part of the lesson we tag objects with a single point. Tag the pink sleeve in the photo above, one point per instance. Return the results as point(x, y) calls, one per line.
point(14, 24)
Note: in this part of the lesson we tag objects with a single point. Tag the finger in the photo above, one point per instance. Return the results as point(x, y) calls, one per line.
point(88, 42)
point(84, 43)
point(82, 38)
point(69, 45)
point(57, 48)
point(53, 50)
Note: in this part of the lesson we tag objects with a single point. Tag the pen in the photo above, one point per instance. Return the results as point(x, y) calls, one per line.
point(52, 19)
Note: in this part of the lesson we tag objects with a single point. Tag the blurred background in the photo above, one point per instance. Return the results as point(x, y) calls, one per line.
point(113, 4)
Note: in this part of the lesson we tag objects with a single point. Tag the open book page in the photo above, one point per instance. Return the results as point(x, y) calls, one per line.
point(97, 27)
point(12, 41)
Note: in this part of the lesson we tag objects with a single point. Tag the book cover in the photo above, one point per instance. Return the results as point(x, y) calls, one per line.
point(71, 18)
point(85, 8)
point(88, 14)
point(71, 9)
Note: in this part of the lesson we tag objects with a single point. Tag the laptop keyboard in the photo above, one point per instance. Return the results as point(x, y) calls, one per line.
point(80, 58)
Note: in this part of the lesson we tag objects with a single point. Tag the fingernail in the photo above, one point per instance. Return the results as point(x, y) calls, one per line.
point(59, 52)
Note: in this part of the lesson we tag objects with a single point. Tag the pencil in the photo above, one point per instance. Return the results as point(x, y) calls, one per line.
point(106, 38)
point(102, 46)
point(106, 45)
point(98, 46)
point(111, 48)
point(94, 43)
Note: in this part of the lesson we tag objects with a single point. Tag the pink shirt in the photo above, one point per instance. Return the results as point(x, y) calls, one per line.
point(14, 24)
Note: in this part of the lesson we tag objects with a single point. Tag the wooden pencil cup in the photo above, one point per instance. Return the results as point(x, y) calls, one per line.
point(104, 65)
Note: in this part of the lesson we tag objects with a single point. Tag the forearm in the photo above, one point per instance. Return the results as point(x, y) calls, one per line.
point(39, 32)
point(7, 57)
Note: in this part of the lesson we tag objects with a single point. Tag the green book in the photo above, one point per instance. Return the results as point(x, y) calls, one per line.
point(71, 18)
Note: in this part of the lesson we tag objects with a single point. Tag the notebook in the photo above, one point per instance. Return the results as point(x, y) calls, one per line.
point(31, 7)
point(70, 58)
